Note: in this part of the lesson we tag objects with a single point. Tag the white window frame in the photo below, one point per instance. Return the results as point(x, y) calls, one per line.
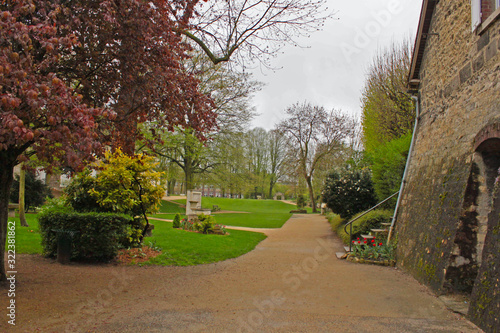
point(497, 4)
point(476, 13)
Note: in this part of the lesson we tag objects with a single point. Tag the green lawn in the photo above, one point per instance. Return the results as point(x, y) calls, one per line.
point(172, 208)
point(180, 248)
point(262, 213)
point(28, 239)
point(184, 248)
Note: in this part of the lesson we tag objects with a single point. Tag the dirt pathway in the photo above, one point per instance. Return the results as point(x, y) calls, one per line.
point(291, 282)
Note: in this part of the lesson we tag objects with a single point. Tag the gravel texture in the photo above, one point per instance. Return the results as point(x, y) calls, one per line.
point(292, 282)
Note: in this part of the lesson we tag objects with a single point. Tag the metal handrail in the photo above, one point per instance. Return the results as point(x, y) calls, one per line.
point(366, 212)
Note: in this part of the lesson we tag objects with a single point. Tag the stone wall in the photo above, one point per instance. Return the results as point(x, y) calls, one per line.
point(459, 94)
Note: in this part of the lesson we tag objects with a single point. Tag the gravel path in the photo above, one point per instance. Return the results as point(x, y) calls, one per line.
point(291, 282)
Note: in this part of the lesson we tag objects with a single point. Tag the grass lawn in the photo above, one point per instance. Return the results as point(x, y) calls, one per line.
point(262, 213)
point(180, 248)
point(184, 248)
point(28, 239)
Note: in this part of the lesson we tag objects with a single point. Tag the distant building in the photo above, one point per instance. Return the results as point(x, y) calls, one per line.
point(448, 224)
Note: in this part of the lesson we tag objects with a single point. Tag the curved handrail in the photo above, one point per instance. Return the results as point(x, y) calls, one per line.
point(366, 212)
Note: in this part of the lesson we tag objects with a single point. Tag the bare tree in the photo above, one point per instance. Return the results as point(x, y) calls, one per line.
point(231, 91)
point(258, 29)
point(277, 158)
point(388, 111)
point(313, 134)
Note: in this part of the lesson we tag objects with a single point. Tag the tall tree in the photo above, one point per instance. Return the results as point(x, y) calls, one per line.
point(123, 58)
point(388, 116)
point(388, 110)
point(252, 29)
point(184, 148)
point(277, 158)
point(231, 92)
point(313, 133)
point(38, 110)
point(130, 59)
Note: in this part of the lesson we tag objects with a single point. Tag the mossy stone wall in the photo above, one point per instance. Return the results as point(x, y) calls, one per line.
point(460, 97)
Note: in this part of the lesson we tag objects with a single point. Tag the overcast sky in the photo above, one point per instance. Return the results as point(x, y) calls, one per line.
point(331, 72)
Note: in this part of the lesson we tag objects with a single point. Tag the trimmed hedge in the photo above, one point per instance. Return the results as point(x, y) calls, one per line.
point(98, 235)
point(372, 220)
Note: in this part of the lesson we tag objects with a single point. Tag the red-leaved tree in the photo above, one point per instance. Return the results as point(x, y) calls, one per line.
point(130, 59)
point(77, 75)
point(38, 111)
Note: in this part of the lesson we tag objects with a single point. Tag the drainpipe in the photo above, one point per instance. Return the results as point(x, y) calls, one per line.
point(417, 117)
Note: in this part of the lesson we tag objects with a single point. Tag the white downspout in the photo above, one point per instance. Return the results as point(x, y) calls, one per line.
point(417, 117)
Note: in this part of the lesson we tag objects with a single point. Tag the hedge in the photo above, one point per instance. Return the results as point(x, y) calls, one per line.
point(98, 235)
point(372, 220)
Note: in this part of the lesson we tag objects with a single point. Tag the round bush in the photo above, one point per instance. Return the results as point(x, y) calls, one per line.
point(348, 192)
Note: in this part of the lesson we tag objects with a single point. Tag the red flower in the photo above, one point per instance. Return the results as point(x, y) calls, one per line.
point(374, 245)
point(380, 244)
point(373, 240)
point(364, 242)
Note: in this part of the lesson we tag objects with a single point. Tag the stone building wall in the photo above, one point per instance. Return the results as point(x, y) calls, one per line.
point(442, 226)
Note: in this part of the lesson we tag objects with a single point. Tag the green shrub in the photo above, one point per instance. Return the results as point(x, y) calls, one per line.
point(335, 221)
point(97, 236)
point(56, 205)
point(363, 225)
point(301, 201)
point(206, 223)
point(134, 232)
point(388, 165)
point(78, 193)
point(35, 191)
point(177, 221)
point(349, 191)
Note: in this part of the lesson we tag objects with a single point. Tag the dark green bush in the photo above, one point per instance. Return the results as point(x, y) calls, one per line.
point(78, 195)
point(363, 225)
point(35, 191)
point(177, 221)
point(97, 236)
point(349, 191)
point(301, 201)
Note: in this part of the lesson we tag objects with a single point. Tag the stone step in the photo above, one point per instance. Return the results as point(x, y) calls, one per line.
point(386, 224)
point(368, 236)
point(379, 230)
point(341, 255)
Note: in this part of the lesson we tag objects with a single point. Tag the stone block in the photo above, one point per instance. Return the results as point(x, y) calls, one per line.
point(491, 51)
point(478, 63)
point(465, 73)
point(483, 41)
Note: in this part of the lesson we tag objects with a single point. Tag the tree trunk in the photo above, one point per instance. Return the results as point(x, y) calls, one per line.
point(6, 178)
point(271, 186)
point(188, 172)
point(311, 194)
point(22, 192)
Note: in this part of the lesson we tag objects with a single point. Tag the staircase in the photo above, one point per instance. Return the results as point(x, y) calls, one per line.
point(374, 233)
